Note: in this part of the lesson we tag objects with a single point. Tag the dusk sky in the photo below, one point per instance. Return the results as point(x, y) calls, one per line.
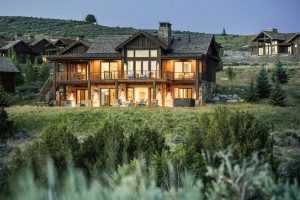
point(210, 16)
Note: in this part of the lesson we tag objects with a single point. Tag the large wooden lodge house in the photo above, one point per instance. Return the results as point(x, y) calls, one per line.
point(271, 42)
point(140, 69)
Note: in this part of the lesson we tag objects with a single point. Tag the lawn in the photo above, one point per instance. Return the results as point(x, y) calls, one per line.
point(167, 121)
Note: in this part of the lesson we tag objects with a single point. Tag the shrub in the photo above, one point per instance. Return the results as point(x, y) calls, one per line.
point(224, 128)
point(104, 151)
point(145, 141)
point(262, 84)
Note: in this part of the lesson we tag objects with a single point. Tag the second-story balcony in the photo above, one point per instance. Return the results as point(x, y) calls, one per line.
point(129, 75)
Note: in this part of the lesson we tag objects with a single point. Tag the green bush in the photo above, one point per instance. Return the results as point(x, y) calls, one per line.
point(225, 128)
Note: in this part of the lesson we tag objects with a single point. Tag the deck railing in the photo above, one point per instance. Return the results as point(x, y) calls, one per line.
point(137, 75)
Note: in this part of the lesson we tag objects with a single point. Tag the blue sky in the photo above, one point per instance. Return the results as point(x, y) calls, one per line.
point(210, 16)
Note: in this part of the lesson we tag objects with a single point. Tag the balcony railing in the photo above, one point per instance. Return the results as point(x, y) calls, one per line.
point(138, 75)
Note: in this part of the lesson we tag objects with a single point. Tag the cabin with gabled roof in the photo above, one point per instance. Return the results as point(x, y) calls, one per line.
point(140, 69)
point(271, 42)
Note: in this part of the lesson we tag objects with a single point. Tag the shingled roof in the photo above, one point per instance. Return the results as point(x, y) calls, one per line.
point(106, 44)
point(7, 66)
point(276, 36)
point(191, 44)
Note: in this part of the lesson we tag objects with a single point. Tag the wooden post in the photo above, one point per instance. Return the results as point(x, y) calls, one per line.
point(54, 79)
point(271, 45)
point(122, 63)
point(197, 80)
point(89, 80)
point(154, 90)
point(116, 90)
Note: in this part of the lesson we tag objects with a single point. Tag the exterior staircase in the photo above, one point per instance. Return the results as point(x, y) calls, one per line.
point(45, 94)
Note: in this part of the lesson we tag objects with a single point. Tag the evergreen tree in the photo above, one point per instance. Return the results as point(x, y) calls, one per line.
point(262, 84)
point(19, 77)
point(280, 74)
point(252, 93)
point(224, 32)
point(230, 73)
point(278, 95)
point(29, 72)
point(44, 72)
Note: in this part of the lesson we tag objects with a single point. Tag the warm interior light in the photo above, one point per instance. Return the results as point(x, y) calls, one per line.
point(159, 98)
point(72, 99)
point(169, 100)
point(122, 97)
point(96, 102)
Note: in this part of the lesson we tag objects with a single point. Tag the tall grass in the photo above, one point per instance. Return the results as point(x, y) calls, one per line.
point(230, 180)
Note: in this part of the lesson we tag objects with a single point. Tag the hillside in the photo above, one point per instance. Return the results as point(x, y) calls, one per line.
point(11, 26)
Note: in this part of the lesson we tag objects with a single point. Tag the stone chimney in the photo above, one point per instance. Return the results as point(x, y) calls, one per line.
point(80, 37)
point(165, 32)
point(274, 30)
point(30, 38)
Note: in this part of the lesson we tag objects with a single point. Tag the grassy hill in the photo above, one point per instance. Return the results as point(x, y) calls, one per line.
point(11, 26)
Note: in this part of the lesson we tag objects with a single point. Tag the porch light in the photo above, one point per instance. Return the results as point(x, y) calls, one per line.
point(96, 102)
point(72, 99)
point(169, 100)
point(159, 98)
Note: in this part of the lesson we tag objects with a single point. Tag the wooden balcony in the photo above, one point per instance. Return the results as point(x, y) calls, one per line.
point(130, 75)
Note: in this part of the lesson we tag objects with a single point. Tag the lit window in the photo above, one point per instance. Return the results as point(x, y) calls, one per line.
point(142, 53)
point(296, 45)
point(153, 53)
point(130, 53)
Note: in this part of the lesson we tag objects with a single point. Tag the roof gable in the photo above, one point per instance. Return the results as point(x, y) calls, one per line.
point(293, 37)
point(14, 44)
point(150, 37)
point(79, 46)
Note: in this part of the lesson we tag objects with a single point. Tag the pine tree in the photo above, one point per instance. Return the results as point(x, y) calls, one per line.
point(224, 32)
point(280, 74)
point(230, 73)
point(251, 95)
point(278, 95)
point(262, 84)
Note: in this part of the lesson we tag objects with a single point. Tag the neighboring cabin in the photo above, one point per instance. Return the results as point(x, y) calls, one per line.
point(140, 69)
point(8, 73)
point(271, 42)
point(22, 50)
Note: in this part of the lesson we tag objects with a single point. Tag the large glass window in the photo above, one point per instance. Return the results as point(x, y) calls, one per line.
point(130, 94)
point(183, 70)
point(183, 93)
point(81, 95)
point(109, 70)
point(141, 53)
point(107, 97)
point(130, 53)
point(153, 53)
